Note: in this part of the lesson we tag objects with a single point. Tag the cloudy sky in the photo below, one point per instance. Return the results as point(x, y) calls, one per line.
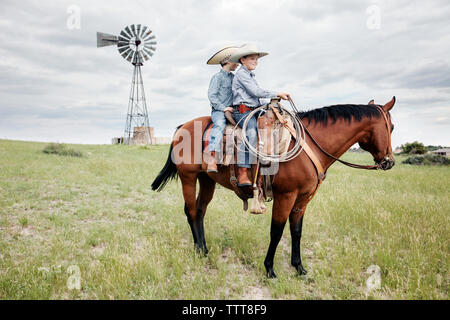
point(55, 85)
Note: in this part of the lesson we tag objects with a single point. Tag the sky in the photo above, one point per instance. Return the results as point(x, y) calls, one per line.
point(56, 85)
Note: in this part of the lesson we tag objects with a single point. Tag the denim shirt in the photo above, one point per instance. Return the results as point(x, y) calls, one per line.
point(219, 92)
point(247, 91)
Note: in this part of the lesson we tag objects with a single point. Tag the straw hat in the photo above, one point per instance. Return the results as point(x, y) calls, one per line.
point(246, 50)
point(222, 55)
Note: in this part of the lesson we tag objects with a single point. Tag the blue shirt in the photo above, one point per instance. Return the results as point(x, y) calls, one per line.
point(219, 92)
point(247, 91)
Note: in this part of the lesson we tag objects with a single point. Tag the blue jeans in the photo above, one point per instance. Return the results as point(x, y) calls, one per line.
point(216, 136)
point(245, 158)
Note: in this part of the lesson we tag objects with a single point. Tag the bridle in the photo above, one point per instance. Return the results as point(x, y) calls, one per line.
point(378, 166)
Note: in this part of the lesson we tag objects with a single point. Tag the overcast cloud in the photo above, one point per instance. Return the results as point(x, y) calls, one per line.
point(55, 85)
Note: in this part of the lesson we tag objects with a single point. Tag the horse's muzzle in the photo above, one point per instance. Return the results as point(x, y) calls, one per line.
point(387, 163)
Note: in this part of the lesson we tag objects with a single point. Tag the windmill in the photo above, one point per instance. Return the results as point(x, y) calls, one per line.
point(135, 44)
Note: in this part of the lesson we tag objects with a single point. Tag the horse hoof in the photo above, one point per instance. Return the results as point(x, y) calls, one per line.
point(271, 274)
point(202, 251)
point(301, 271)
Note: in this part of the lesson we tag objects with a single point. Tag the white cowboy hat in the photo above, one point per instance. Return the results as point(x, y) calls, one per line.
point(222, 55)
point(246, 50)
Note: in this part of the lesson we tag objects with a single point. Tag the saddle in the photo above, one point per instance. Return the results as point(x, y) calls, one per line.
point(274, 135)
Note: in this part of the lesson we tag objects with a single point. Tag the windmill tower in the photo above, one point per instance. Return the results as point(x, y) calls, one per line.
point(135, 44)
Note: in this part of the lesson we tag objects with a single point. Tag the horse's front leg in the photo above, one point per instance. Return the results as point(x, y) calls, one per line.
point(296, 223)
point(282, 206)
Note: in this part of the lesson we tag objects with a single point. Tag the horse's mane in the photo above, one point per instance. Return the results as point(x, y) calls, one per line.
point(348, 112)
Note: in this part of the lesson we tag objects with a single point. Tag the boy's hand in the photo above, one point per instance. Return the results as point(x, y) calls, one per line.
point(284, 95)
point(231, 109)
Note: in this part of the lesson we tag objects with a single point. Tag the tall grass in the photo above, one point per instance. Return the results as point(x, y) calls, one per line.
point(98, 213)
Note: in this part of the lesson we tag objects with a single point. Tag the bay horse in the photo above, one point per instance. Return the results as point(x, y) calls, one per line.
point(332, 131)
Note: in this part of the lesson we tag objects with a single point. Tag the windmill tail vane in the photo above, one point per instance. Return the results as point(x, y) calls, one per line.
point(136, 44)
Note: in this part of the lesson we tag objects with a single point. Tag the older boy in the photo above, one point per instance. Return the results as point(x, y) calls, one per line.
point(221, 99)
point(246, 95)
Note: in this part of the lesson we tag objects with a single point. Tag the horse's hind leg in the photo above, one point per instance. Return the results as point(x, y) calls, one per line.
point(195, 209)
point(296, 223)
point(188, 182)
point(207, 186)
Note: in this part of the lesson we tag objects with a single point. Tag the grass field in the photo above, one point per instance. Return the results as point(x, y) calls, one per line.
point(94, 221)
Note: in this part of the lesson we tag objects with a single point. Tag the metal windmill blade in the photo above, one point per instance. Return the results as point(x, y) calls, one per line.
point(143, 32)
point(124, 36)
point(149, 37)
point(146, 57)
point(127, 52)
point(128, 31)
point(138, 30)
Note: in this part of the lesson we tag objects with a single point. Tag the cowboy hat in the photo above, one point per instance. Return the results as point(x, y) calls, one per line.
point(246, 50)
point(222, 55)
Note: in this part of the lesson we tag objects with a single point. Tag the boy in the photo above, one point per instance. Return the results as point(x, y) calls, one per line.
point(221, 99)
point(246, 95)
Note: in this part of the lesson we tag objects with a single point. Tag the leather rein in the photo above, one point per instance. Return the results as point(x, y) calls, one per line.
point(349, 164)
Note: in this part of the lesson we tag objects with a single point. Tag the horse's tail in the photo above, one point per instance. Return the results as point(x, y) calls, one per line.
point(167, 173)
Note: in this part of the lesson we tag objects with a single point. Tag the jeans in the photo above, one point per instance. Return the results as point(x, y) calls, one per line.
point(216, 136)
point(245, 158)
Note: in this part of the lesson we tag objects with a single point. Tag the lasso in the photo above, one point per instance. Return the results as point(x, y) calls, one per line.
point(287, 156)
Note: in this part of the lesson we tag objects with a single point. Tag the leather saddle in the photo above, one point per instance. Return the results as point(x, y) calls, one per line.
point(273, 138)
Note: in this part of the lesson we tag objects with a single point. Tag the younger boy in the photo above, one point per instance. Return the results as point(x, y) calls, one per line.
point(221, 100)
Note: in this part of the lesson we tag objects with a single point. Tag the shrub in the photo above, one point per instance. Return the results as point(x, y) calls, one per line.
point(62, 150)
point(428, 159)
point(413, 148)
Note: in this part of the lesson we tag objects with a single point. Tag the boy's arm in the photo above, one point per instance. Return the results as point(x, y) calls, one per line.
point(252, 87)
point(213, 94)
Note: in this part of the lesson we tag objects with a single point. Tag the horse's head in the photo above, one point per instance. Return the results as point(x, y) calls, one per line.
point(378, 141)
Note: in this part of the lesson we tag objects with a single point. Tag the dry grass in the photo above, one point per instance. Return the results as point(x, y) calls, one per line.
point(97, 212)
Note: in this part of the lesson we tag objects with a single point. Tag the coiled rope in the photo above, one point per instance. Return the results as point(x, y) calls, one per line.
point(257, 152)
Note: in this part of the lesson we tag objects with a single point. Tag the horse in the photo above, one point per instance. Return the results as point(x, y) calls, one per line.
point(332, 130)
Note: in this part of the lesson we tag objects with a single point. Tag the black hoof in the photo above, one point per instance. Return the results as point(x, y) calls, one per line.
point(300, 270)
point(271, 274)
point(201, 251)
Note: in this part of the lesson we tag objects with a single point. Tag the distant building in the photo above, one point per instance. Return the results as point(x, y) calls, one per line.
point(116, 140)
point(141, 136)
point(398, 150)
point(442, 152)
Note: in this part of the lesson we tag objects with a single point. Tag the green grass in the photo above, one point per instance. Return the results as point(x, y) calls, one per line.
point(97, 212)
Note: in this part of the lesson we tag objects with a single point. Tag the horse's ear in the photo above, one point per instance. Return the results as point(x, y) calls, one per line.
point(371, 102)
point(388, 106)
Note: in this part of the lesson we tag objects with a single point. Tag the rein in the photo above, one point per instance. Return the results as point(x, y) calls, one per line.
point(349, 164)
